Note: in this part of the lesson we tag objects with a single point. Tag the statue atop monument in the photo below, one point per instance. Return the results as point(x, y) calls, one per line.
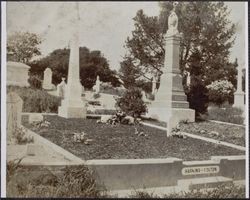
point(173, 22)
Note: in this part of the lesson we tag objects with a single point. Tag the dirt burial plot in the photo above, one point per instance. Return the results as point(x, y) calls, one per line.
point(121, 142)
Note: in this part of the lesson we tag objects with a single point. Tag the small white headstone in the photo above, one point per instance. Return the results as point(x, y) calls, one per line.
point(14, 110)
point(47, 79)
point(97, 85)
point(61, 88)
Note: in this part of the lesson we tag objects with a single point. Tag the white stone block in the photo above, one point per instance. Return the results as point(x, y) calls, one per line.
point(35, 117)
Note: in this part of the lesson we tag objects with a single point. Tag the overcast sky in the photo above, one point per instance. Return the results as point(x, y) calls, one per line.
point(104, 25)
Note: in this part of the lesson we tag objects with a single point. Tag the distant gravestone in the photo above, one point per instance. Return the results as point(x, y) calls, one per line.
point(97, 85)
point(61, 88)
point(239, 94)
point(14, 110)
point(35, 117)
point(47, 79)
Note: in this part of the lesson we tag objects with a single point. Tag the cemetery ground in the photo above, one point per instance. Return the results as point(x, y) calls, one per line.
point(121, 142)
point(222, 132)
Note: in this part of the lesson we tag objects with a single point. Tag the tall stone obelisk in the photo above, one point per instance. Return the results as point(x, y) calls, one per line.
point(239, 94)
point(72, 105)
point(170, 103)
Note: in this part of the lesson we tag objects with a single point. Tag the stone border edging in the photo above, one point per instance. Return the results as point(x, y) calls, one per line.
point(202, 138)
point(56, 148)
point(154, 126)
point(226, 123)
point(30, 113)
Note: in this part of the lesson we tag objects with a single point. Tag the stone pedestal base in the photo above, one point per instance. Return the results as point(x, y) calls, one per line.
point(72, 109)
point(163, 114)
point(239, 100)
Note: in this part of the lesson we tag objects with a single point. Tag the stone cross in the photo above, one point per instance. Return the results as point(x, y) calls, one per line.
point(47, 79)
point(14, 110)
point(74, 105)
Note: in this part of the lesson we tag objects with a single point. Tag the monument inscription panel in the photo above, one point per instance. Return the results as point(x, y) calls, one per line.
point(200, 170)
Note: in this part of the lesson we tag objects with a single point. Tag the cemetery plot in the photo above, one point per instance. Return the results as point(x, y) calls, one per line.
point(103, 141)
point(222, 132)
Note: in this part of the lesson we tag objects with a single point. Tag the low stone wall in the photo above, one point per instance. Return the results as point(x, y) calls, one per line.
point(140, 173)
point(136, 173)
point(131, 174)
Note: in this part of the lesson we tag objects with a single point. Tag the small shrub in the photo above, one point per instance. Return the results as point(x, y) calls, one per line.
point(35, 100)
point(143, 195)
point(131, 103)
point(197, 97)
point(12, 168)
point(228, 114)
point(76, 181)
point(221, 191)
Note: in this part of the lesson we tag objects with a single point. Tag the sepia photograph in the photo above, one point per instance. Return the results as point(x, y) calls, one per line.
point(124, 99)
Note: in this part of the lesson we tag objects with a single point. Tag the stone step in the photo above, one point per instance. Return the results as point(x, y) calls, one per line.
point(205, 182)
point(180, 104)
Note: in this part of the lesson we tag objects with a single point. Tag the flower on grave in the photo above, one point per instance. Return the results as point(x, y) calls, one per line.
point(21, 137)
point(80, 137)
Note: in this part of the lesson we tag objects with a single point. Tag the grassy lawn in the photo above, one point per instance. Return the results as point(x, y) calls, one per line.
point(227, 133)
point(120, 142)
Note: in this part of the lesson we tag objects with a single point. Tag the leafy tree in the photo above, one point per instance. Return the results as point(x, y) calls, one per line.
point(22, 46)
point(92, 63)
point(128, 73)
point(131, 102)
point(132, 76)
point(208, 36)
